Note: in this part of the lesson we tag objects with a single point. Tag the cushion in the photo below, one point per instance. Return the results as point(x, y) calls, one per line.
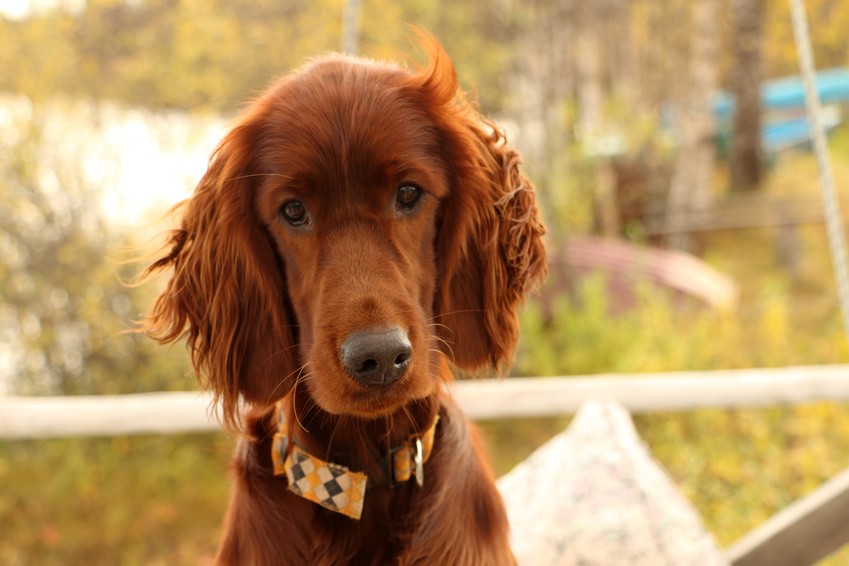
point(594, 495)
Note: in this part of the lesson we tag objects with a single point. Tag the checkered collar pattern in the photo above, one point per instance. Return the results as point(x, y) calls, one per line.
point(336, 487)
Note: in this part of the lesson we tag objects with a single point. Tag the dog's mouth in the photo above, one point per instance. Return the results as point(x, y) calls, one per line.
point(364, 401)
point(376, 401)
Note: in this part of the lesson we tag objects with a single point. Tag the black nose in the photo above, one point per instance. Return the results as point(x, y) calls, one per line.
point(377, 358)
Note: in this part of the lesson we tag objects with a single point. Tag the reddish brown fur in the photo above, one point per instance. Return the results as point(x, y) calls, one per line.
point(265, 306)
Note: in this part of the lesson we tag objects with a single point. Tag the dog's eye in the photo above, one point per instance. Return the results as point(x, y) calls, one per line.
point(294, 212)
point(407, 197)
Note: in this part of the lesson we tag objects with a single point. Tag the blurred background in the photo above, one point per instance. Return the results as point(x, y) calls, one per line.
point(668, 130)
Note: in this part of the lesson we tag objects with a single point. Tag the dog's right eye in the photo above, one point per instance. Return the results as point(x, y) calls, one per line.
point(294, 212)
point(407, 197)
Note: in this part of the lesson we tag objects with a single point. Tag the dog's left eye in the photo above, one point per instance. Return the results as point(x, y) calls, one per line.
point(407, 197)
point(294, 212)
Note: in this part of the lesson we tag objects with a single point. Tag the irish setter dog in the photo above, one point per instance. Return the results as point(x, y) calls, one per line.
point(360, 234)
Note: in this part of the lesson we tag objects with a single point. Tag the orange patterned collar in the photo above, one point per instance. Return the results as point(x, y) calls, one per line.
point(336, 487)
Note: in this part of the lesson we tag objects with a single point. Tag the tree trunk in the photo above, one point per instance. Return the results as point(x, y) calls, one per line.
point(692, 180)
point(746, 151)
point(591, 123)
point(538, 82)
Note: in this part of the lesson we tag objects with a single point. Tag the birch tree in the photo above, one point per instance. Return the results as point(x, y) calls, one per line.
point(691, 188)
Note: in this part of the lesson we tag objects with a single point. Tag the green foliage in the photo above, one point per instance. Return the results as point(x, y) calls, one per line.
point(65, 314)
point(825, 19)
point(215, 54)
point(121, 500)
point(581, 337)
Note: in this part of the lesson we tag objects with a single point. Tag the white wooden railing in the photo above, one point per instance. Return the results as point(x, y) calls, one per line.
point(108, 415)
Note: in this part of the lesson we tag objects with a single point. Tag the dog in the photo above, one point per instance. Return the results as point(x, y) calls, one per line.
point(361, 235)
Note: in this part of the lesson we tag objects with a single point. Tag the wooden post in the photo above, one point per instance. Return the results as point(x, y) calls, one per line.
point(802, 534)
point(351, 27)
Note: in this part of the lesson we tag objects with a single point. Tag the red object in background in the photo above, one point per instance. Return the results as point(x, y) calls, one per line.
point(626, 265)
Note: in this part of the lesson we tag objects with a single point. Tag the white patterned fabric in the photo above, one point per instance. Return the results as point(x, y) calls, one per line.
point(594, 496)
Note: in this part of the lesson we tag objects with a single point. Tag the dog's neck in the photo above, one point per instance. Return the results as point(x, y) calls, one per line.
point(356, 442)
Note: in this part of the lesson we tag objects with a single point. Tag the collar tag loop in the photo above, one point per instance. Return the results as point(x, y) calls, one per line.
point(419, 460)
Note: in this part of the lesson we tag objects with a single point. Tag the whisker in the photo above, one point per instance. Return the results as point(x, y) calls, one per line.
point(312, 404)
point(324, 416)
point(360, 434)
point(440, 315)
point(283, 351)
point(332, 434)
point(259, 175)
point(295, 397)
point(309, 404)
point(447, 345)
point(439, 352)
point(282, 381)
point(445, 341)
point(389, 427)
point(412, 420)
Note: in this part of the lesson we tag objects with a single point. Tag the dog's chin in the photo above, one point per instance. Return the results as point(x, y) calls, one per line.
point(370, 402)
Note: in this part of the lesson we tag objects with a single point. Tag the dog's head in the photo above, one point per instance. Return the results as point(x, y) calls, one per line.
point(358, 226)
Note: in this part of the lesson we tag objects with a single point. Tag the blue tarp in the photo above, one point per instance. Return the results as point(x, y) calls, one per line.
point(785, 128)
point(789, 92)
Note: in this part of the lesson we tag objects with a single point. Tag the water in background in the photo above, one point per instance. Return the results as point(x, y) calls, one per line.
point(140, 162)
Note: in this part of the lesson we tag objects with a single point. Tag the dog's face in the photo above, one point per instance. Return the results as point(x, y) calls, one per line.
point(352, 178)
point(356, 230)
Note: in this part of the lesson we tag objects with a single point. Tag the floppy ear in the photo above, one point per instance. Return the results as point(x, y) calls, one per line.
point(489, 248)
point(502, 256)
point(227, 294)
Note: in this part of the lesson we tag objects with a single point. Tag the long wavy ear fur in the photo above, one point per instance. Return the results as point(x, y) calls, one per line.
point(227, 294)
point(490, 249)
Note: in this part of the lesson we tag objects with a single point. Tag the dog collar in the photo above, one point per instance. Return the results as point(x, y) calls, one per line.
point(335, 487)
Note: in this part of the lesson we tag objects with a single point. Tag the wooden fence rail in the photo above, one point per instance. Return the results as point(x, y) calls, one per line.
point(108, 415)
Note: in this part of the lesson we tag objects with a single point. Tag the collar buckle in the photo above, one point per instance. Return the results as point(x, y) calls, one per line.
point(388, 462)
